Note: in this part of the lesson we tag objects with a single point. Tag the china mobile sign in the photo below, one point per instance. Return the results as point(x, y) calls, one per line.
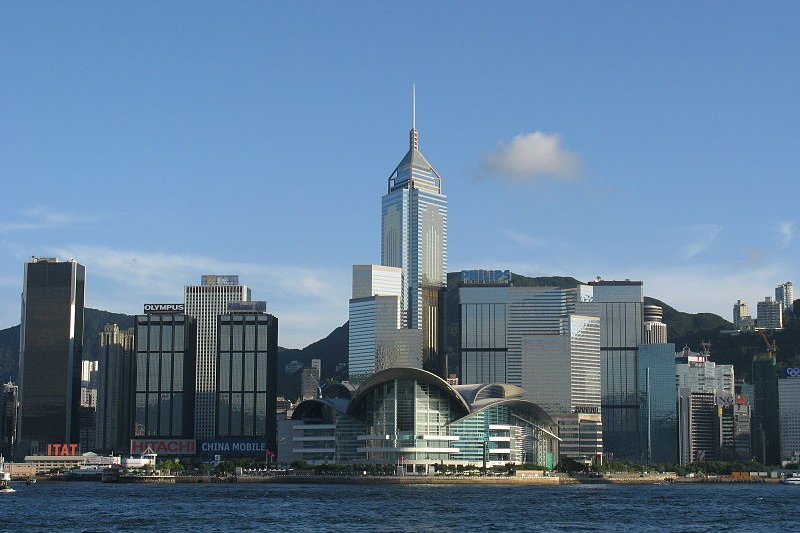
point(164, 446)
point(234, 447)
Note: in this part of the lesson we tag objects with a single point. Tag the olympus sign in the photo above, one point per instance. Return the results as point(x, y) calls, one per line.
point(163, 308)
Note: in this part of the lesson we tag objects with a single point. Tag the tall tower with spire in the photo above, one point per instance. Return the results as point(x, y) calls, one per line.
point(414, 238)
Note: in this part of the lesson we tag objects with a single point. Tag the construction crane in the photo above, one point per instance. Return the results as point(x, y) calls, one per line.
point(771, 348)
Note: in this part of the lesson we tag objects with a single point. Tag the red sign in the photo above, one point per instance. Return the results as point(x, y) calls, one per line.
point(164, 446)
point(741, 400)
point(62, 449)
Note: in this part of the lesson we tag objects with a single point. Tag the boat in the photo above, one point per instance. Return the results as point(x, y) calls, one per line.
point(794, 479)
point(5, 478)
point(31, 481)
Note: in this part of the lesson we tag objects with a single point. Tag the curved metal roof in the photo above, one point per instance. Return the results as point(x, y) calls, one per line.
point(484, 391)
point(536, 412)
point(338, 390)
point(391, 374)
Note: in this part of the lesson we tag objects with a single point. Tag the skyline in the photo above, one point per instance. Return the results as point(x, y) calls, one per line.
point(582, 142)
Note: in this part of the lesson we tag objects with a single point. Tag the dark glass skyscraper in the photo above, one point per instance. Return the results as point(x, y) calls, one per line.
point(9, 410)
point(114, 388)
point(766, 437)
point(51, 349)
point(247, 368)
point(164, 374)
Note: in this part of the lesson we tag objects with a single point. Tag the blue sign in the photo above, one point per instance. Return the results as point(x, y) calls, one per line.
point(791, 372)
point(235, 447)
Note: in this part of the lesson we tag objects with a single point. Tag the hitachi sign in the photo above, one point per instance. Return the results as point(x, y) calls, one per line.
point(164, 446)
point(163, 308)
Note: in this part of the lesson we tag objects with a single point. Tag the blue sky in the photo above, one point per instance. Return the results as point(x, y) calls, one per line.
point(158, 141)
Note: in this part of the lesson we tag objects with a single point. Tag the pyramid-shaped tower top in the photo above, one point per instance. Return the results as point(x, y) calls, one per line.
point(414, 171)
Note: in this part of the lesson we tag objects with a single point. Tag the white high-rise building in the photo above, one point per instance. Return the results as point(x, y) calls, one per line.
point(740, 314)
point(377, 338)
point(654, 331)
point(699, 374)
point(784, 293)
point(770, 314)
point(204, 303)
point(414, 239)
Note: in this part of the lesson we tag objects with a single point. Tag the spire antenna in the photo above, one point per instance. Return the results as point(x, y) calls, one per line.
point(414, 136)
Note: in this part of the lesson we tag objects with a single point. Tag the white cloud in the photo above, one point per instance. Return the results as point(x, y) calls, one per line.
point(786, 232)
point(701, 237)
point(523, 238)
point(43, 218)
point(309, 303)
point(532, 156)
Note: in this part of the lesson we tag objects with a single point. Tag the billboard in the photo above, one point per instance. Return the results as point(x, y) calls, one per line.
point(62, 449)
point(247, 307)
point(212, 279)
point(724, 399)
point(234, 447)
point(164, 446)
point(791, 372)
point(150, 309)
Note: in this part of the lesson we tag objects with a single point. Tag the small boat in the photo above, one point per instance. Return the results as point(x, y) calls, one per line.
point(5, 478)
point(794, 479)
point(30, 481)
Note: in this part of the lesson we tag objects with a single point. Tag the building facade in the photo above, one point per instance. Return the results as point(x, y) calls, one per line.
point(114, 388)
point(164, 375)
point(658, 400)
point(378, 336)
point(770, 314)
point(620, 306)
point(310, 380)
point(413, 419)
point(766, 424)
point(741, 314)
point(9, 413)
point(789, 413)
point(784, 295)
point(247, 374)
point(414, 239)
point(654, 331)
point(51, 351)
point(204, 303)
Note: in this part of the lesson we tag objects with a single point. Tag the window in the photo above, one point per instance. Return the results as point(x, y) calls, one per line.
point(224, 370)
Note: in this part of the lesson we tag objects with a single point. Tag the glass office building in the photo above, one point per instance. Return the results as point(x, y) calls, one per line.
point(114, 388)
point(620, 307)
point(414, 238)
point(247, 371)
point(415, 420)
point(658, 400)
point(51, 351)
point(164, 373)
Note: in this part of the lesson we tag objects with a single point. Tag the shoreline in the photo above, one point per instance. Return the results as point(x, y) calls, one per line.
point(433, 480)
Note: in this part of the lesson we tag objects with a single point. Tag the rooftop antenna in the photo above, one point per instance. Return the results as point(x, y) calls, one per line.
point(414, 136)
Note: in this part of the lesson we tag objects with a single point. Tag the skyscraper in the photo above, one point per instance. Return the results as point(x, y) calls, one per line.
point(114, 388)
point(654, 331)
point(51, 350)
point(378, 338)
point(784, 293)
point(769, 314)
point(414, 238)
point(740, 314)
point(9, 411)
point(658, 403)
point(766, 421)
point(163, 374)
point(620, 306)
point(204, 303)
point(248, 370)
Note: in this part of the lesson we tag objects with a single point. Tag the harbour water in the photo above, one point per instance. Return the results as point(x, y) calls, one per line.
point(94, 507)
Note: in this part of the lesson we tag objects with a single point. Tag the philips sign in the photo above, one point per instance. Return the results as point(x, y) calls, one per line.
point(234, 447)
point(163, 308)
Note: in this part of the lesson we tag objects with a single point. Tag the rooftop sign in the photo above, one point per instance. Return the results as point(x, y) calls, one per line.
point(212, 279)
point(485, 277)
point(258, 306)
point(163, 308)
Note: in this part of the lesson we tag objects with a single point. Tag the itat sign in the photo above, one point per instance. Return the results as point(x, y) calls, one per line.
point(150, 309)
